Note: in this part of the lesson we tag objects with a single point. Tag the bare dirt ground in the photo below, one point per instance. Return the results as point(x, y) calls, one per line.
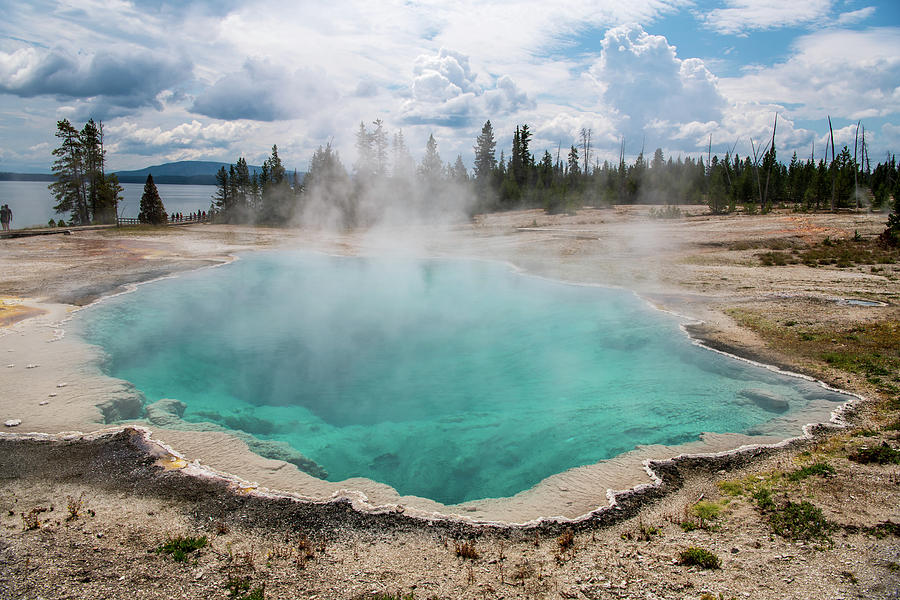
point(109, 507)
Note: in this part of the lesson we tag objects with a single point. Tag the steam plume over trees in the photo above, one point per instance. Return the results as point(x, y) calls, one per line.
point(386, 180)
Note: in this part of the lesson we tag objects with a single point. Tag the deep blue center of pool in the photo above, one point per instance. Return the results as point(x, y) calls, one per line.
point(452, 380)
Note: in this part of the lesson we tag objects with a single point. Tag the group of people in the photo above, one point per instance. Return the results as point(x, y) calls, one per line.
point(5, 216)
point(178, 217)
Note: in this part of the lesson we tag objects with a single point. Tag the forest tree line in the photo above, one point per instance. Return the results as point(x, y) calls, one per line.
point(563, 182)
point(386, 174)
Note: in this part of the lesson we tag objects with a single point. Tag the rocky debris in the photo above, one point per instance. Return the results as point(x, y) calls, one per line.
point(13, 422)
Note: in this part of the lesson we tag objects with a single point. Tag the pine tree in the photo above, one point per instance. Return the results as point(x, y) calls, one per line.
point(403, 166)
point(364, 167)
point(458, 171)
point(276, 198)
point(432, 166)
point(69, 189)
point(108, 195)
point(379, 145)
point(485, 160)
point(152, 209)
point(222, 198)
point(93, 158)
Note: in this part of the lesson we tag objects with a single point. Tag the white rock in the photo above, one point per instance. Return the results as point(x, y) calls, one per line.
point(43, 403)
point(10, 366)
point(52, 394)
point(60, 385)
point(13, 422)
point(31, 366)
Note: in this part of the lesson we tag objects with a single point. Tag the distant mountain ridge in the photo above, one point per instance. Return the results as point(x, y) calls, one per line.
point(189, 172)
point(198, 172)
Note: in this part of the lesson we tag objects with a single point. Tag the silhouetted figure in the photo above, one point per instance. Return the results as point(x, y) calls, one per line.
point(5, 216)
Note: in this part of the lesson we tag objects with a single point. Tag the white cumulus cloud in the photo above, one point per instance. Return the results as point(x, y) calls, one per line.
point(741, 16)
point(649, 87)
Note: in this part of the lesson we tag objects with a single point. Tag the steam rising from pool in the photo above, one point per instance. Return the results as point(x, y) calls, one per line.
point(450, 380)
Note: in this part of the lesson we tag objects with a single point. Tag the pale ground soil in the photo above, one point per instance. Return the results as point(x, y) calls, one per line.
point(130, 506)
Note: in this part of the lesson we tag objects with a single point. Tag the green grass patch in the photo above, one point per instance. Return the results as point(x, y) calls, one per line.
point(706, 511)
point(885, 529)
point(699, 557)
point(819, 468)
point(867, 349)
point(850, 252)
point(882, 455)
point(731, 488)
point(777, 259)
point(799, 521)
point(763, 498)
point(179, 547)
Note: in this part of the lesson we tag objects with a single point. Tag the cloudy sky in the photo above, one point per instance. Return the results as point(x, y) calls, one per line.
point(218, 79)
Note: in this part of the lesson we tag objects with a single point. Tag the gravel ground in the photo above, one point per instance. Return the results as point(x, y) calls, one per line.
point(109, 505)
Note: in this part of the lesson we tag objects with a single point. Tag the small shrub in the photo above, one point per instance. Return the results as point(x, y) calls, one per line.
point(179, 547)
point(669, 211)
point(699, 557)
point(237, 584)
point(646, 532)
point(566, 540)
point(884, 529)
point(466, 550)
point(706, 511)
point(30, 519)
point(763, 498)
point(775, 259)
point(819, 468)
point(74, 506)
point(801, 520)
point(687, 526)
point(881, 455)
point(258, 593)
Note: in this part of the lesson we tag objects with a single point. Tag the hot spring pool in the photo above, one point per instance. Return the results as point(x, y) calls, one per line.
point(451, 380)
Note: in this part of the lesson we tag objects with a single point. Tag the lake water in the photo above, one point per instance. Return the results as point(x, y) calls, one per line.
point(451, 380)
point(32, 203)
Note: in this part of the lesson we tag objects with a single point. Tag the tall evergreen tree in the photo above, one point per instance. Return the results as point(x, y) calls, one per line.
point(152, 209)
point(69, 189)
point(485, 160)
point(432, 166)
point(222, 198)
point(403, 166)
point(379, 147)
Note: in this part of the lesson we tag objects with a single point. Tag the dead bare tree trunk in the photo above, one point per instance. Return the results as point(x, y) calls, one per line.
point(769, 169)
point(856, 168)
point(756, 156)
point(831, 167)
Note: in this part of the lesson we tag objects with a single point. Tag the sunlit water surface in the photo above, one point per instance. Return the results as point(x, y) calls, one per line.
point(452, 380)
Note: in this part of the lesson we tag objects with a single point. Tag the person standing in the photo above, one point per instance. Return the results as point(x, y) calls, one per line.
point(5, 216)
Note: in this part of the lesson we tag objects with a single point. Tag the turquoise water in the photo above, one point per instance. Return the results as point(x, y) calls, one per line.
point(452, 380)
